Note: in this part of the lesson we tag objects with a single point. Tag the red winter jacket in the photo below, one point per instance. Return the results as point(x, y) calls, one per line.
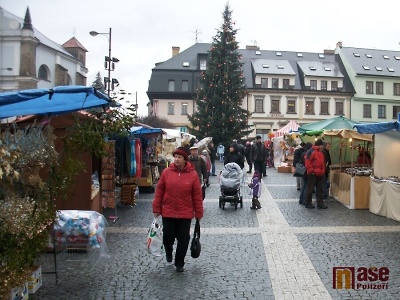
point(178, 194)
point(315, 161)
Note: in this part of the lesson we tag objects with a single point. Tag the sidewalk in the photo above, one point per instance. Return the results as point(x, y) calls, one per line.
point(282, 251)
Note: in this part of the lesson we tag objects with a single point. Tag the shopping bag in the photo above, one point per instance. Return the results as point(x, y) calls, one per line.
point(300, 170)
point(195, 247)
point(155, 238)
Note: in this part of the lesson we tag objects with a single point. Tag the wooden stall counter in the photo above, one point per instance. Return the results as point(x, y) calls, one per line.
point(353, 192)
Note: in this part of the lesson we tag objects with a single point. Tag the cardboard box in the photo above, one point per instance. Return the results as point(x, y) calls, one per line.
point(287, 169)
point(35, 281)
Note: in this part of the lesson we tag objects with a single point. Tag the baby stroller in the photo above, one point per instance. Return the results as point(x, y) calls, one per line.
point(230, 179)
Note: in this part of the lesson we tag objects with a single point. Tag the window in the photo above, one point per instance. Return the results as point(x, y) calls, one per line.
point(324, 107)
point(259, 105)
point(171, 106)
point(396, 89)
point(309, 107)
point(43, 72)
point(396, 110)
point(184, 110)
point(379, 88)
point(321, 56)
point(171, 85)
point(203, 64)
point(185, 64)
point(185, 85)
point(334, 85)
point(369, 87)
point(381, 111)
point(286, 84)
point(367, 110)
point(291, 106)
point(324, 85)
point(339, 111)
point(313, 84)
point(275, 106)
point(264, 83)
point(275, 83)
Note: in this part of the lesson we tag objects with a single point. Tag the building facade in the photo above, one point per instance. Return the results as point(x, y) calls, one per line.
point(281, 86)
point(30, 60)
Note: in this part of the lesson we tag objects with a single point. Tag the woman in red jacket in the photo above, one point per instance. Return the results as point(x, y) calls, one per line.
point(178, 199)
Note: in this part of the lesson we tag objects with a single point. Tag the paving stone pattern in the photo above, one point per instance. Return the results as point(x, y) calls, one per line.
point(283, 251)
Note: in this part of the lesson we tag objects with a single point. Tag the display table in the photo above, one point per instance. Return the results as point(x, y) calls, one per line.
point(385, 198)
point(353, 192)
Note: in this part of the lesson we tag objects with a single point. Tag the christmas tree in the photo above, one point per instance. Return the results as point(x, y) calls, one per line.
point(219, 99)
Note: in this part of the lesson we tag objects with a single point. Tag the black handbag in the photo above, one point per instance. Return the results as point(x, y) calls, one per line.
point(300, 170)
point(195, 247)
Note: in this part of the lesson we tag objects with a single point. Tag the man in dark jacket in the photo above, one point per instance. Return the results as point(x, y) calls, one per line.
point(296, 159)
point(234, 156)
point(327, 157)
point(213, 154)
point(315, 165)
point(258, 155)
point(247, 154)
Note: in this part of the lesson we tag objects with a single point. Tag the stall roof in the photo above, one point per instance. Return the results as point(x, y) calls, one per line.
point(61, 99)
point(377, 127)
point(136, 130)
point(288, 128)
point(347, 134)
point(333, 123)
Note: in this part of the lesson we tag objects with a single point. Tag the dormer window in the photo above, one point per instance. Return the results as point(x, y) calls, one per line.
point(299, 54)
point(278, 54)
point(378, 68)
point(356, 55)
point(265, 66)
point(185, 64)
point(327, 69)
point(390, 70)
point(321, 56)
point(258, 52)
point(313, 68)
point(279, 67)
point(397, 57)
point(368, 55)
point(385, 56)
point(366, 67)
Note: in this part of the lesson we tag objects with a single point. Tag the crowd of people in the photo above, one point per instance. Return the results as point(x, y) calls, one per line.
point(180, 191)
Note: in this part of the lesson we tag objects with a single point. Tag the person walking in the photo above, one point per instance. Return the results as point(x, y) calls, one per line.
point(234, 156)
point(178, 200)
point(303, 191)
point(247, 154)
point(213, 154)
point(199, 165)
point(328, 161)
point(255, 187)
point(239, 147)
point(315, 165)
point(221, 151)
point(297, 155)
point(258, 155)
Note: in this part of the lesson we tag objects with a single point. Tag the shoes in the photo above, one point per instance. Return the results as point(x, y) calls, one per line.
point(169, 258)
point(179, 269)
point(309, 205)
point(258, 207)
point(213, 174)
point(207, 185)
point(301, 203)
point(298, 189)
point(322, 206)
point(249, 172)
point(253, 207)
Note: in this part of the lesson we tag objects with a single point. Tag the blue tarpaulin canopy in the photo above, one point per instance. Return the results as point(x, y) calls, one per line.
point(61, 99)
point(136, 130)
point(377, 127)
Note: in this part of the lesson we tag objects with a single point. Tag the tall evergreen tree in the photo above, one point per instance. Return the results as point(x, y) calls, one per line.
point(98, 83)
point(219, 99)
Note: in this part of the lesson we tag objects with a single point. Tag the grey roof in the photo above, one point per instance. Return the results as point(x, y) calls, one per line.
point(373, 62)
point(272, 66)
point(320, 69)
point(187, 56)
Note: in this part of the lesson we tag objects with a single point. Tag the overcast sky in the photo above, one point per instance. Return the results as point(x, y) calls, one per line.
point(144, 32)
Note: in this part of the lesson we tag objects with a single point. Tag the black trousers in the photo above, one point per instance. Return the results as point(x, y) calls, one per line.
point(318, 183)
point(259, 166)
point(178, 229)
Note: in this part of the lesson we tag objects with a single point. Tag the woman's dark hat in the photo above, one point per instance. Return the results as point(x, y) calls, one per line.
point(182, 151)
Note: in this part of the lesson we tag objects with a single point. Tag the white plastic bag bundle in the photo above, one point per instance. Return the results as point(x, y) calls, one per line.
point(155, 238)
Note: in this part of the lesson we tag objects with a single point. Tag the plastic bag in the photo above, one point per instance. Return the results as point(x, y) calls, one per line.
point(155, 238)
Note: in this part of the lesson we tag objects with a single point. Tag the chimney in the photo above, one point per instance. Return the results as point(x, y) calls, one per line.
point(175, 51)
point(252, 47)
point(339, 44)
point(329, 52)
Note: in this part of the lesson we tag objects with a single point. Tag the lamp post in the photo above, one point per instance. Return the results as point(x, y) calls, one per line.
point(109, 62)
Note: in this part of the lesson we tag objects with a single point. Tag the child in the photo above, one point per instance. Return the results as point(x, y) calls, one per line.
point(255, 187)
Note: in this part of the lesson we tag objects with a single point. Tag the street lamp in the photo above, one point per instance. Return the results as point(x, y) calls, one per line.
point(109, 63)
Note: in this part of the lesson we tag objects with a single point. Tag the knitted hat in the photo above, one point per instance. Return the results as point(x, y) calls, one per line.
point(258, 137)
point(308, 146)
point(256, 174)
point(182, 151)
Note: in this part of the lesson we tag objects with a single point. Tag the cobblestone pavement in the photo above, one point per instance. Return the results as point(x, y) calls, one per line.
point(282, 251)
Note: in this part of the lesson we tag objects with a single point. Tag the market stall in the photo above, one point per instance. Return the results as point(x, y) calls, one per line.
point(349, 181)
point(385, 183)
